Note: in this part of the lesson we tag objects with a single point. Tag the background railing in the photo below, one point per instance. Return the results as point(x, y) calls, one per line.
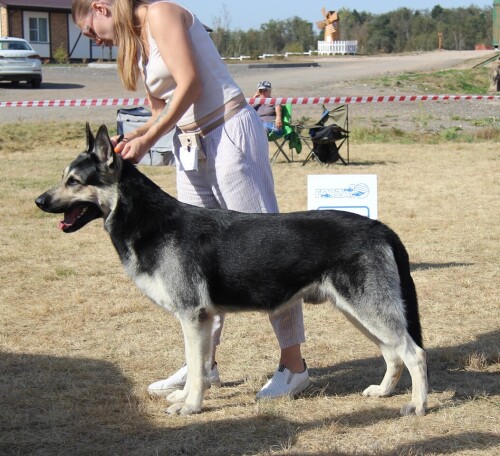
point(337, 47)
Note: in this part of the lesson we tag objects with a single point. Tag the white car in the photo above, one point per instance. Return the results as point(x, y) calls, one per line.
point(19, 62)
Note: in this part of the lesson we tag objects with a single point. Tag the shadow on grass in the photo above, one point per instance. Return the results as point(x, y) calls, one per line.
point(370, 163)
point(339, 163)
point(448, 371)
point(75, 406)
point(426, 266)
point(56, 405)
point(467, 441)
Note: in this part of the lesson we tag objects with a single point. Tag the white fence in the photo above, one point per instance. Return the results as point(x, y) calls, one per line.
point(324, 48)
point(267, 56)
point(240, 58)
point(337, 47)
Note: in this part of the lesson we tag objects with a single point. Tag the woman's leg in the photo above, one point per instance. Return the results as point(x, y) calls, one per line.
point(245, 183)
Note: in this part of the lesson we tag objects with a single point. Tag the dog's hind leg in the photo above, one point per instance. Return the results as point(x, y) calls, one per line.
point(393, 362)
point(415, 360)
point(398, 349)
point(399, 352)
point(392, 375)
point(403, 353)
point(198, 340)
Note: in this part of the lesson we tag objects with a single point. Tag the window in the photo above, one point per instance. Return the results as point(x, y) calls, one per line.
point(38, 30)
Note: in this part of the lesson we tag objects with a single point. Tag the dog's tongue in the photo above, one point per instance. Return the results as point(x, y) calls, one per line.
point(70, 218)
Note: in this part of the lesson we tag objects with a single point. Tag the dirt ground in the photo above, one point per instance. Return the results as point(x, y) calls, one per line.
point(79, 343)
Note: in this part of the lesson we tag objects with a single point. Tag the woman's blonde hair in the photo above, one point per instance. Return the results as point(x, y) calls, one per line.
point(127, 35)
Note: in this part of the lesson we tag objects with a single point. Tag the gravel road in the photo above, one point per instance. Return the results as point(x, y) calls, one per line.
point(336, 76)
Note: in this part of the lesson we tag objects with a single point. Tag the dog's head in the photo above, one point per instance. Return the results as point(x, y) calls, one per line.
point(88, 189)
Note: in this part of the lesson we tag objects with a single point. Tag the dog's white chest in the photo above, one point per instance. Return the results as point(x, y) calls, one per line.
point(152, 285)
point(154, 288)
point(162, 283)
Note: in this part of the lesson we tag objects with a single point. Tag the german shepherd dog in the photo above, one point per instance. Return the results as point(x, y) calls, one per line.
point(196, 262)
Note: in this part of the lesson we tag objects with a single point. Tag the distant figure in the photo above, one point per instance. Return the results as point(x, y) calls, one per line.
point(495, 76)
point(269, 114)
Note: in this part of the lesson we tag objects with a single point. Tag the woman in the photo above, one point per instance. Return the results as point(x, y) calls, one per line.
point(190, 88)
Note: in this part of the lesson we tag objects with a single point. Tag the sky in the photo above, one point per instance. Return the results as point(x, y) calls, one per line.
point(245, 14)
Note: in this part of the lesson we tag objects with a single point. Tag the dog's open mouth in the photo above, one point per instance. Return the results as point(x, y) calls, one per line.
point(78, 216)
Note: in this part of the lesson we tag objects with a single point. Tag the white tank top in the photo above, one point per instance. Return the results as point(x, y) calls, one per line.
point(218, 87)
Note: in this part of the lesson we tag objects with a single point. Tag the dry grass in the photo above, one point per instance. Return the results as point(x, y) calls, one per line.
point(463, 80)
point(79, 344)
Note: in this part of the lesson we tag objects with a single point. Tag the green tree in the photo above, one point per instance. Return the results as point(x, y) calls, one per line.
point(382, 35)
point(423, 32)
point(401, 30)
point(400, 23)
point(273, 36)
point(354, 26)
point(220, 30)
point(299, 32)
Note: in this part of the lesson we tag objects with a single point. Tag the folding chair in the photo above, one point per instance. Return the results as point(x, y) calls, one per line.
point(161, 153)
point(289, 135)
point(325, 141)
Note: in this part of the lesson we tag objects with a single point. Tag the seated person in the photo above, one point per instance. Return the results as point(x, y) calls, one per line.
point(269, 114)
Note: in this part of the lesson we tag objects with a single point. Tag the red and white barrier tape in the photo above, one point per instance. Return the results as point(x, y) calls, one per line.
point(253, 101)
point(368, 99)
point(74, 103)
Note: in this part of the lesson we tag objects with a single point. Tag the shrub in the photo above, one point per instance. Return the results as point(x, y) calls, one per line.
point(61, 55)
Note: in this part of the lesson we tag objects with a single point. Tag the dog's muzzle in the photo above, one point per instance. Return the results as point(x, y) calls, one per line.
point(75, 217)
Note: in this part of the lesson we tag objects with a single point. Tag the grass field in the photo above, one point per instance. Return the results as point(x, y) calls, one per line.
point(464, 81)
point(79, 344)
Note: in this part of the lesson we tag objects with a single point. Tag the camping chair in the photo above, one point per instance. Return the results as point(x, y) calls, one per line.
point(325, 141)
point(161, 154)
point(288, 135)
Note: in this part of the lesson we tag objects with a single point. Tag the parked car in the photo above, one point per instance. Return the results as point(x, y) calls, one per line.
point(19, 62)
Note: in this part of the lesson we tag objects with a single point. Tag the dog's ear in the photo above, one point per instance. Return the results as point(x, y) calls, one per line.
point(103, 147)
point(90, 138)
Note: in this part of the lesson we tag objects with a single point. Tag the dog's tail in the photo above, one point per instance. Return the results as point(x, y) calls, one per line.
point(408, 291)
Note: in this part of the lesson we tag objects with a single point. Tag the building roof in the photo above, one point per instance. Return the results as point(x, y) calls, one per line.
point(39, 4)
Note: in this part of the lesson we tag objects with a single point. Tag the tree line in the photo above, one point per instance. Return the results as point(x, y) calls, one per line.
point(401, 30)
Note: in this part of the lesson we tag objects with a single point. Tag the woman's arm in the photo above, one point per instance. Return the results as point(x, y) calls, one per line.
point(169, 26)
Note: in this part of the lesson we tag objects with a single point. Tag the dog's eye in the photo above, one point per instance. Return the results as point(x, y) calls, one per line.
point(72, 182)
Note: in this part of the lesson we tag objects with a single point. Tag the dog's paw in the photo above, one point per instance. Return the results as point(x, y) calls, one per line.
point(189, 409)
point(175, 408)
point(177, 396)
point(375, 391)
point(412, 409)
point(183, 409)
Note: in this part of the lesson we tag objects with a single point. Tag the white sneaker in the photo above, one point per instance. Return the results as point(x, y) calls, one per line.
point(284, 383)
point(178, 380)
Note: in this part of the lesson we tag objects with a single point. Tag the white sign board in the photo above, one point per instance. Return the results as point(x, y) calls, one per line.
point(346, 192)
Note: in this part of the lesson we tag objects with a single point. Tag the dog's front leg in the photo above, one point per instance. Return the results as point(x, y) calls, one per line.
point(197, 331)
point(179, 396)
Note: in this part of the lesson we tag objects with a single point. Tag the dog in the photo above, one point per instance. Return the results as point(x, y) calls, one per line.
point(197, 262)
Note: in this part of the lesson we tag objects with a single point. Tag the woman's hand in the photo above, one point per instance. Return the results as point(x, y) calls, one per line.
point(133, 149)
point(116, 139)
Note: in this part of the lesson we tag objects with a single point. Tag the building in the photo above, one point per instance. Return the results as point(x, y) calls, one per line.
point(48, 27)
